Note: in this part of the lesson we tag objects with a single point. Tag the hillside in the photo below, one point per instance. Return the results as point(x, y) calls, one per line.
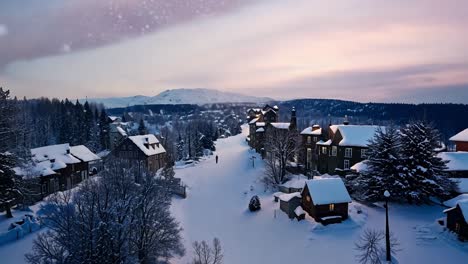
point(180, 96)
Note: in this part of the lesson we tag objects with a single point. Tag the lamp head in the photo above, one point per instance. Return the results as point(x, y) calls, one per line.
point(386, 193)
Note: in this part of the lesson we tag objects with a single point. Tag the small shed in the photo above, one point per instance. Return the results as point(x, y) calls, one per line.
point(289, 202)
point(294, 184)
point(326, 200)
point(457, 219)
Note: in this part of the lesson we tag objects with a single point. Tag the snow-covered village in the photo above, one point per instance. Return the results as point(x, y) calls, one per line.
point(233, 132)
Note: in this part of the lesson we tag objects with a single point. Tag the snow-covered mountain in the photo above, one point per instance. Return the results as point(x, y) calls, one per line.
point(181, 96)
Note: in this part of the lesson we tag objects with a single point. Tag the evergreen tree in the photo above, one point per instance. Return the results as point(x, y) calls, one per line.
point(142, 128)
point(383, 166)
point(421, 168)
point(8, 182)
point(104, 128)
point(180, 148)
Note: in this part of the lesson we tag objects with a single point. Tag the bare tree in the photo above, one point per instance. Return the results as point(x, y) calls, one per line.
point(110, 219)
point(371, 248)
point(281, 145)
point(204, 254)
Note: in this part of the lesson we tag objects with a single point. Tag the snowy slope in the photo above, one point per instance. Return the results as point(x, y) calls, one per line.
point(181, 96)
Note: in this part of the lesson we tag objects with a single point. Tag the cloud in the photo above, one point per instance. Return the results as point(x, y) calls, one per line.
point(3, 30)
point(352, 50)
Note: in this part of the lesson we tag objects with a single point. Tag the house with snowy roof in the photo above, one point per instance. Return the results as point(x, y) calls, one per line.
point(309, 152)
point(59, 167)
point(142, 150)
point(457, 219)
point(258, 119)
point(461, 140)
point(457, 163)
point(346, 146)
point(326, 200)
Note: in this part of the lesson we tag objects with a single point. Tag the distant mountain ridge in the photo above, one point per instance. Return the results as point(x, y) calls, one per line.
point(197, 96)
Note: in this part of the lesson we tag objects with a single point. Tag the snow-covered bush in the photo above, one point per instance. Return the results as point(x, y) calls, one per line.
point(254, 204)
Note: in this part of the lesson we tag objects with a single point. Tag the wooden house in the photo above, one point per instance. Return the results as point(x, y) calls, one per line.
point(326, 200)
point(309, 151)
point(457, 166)
point(346, 146)
point(461, 140)
point(457, 219)
point(60, 167)
point(145, 151)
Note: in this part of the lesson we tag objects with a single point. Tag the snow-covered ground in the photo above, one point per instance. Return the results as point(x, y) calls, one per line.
point(216, 206)
point(217, 203)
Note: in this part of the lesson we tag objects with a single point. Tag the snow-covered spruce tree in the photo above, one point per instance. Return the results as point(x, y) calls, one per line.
point(142, 128)
point(383, 166)
point(110, 219)
point(254, 204)
point(8, 181)
point(180, 148)
point(422, 170)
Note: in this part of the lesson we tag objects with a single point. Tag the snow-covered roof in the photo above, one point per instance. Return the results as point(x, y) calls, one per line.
point(324, 143)
point(328, 191)
point(113, 118)
point(288, 196)
point(59, 153)
point(360, 166)
point(457, 161)
point(463, 204)
point(83, 153)
point(279, 125)
point(296, 182)
point(462, 184)
point(312, 131)
point(260, 130)
point(121, 131)
point(148, 144)
point(355, 135)
point(254, 120)
point(299, 211)
point(260, 124)
point(453, 202)
point(462, 136)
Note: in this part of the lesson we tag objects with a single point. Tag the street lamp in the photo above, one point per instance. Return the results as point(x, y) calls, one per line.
point(253, 161)
point(387, 228)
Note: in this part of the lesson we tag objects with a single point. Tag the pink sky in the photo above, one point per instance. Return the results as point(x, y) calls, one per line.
point(366, 50)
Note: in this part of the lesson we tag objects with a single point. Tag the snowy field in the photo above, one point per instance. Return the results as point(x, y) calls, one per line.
point(216, 206)
point(217, 203)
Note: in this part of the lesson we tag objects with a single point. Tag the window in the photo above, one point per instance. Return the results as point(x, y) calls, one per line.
point(315, 139)
point(331, 207)
point(309, 140)
point(324, 150)
point(309, 158)
point(348, 152)
point(346, 165)
point(308, 198)
point(334, 150)
point(363, 153)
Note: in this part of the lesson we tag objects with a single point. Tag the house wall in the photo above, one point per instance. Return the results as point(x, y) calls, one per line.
point(455, 216)
point(129, 151)
point(289, 207)
point(461, 146)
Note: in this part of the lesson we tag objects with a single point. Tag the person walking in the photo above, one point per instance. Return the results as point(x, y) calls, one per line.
point(216, 159)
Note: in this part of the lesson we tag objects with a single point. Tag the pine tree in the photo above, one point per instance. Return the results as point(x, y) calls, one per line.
point(142, 128)
point(382, 168)
point(8, 183)
point(421, 168)
point(104, 135)
point(180, 148)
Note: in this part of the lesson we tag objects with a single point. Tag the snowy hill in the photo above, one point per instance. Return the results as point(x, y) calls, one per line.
point(181, 96)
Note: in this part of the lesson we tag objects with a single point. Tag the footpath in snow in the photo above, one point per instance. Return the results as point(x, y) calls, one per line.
point(216, 206)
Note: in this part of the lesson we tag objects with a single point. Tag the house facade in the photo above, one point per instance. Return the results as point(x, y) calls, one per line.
point(346, 146)
point(457, 219)
point(461, 140)
point(143, 150)
point(309, 151)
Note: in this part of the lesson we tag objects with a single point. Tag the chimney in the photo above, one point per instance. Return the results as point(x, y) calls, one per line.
point(68, 150)
point(346, 121)
point(315, 127)
point(293, 124)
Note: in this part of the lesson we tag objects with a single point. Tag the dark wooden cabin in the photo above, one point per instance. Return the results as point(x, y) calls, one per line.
point(457, 219)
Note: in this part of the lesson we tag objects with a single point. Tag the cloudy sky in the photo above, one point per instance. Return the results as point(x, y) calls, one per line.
point(364, 50)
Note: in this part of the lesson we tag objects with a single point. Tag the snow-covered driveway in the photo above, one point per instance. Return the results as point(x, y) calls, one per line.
point(217, 207)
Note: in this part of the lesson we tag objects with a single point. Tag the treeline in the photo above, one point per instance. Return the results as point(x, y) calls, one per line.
point(44, 121)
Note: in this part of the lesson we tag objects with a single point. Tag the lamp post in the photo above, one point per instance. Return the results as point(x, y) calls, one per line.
point(253, 161)
point(387, 228)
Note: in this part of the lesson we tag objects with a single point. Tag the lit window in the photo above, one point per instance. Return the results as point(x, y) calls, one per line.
point(332, 207)
point(324, 150)
point(334, 150)
point(348, 152)
point(346, 165)
point(308, 198)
